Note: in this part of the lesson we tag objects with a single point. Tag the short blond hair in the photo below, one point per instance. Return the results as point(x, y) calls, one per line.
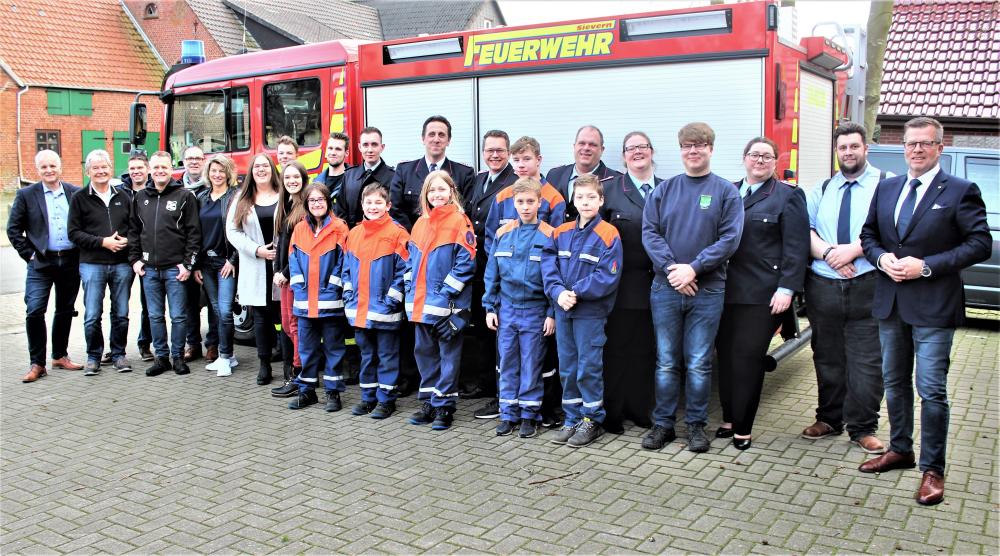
point(527, 185)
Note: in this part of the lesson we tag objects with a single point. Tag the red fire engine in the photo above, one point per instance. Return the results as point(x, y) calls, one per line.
point(721, 64)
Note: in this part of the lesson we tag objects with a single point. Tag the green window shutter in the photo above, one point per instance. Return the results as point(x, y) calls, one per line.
point(81, 103)
point(58, 102)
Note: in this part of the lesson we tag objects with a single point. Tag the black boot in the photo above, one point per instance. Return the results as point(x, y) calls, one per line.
point(264, 374)
point(160, 365)
point(180, 367)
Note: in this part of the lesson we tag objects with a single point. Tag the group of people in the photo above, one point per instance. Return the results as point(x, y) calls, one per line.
point(595, 296)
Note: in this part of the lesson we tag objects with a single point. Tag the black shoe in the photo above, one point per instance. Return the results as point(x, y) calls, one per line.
point(697, 440)
point(160, 366)
point(286, 390)
point(423, 415)
point(180, 367)
point(563, 435)
point(724, 432)
point(305, 398)
point(586, 432)
point(443, 418)
point(505, 428)
point(474, 393)
point(333, 401)
point(145, 353)
point(553, 421)
point(383, 410)
point(264, 373)
point(529, 428)
point(656, 438)
point(614, 427)
point(363, 408)
point(741, 443)
point(489, 411)
point(286, 371)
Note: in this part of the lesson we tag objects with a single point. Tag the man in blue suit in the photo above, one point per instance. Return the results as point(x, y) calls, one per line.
point(38, 230)
point(588, 147)
point(922, 230)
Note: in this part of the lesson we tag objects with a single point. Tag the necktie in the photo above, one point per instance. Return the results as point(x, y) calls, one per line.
point(748, 193)
point(906, 211)
point(569, 190)
point(486, 187)
point(844, 220)
point(645, 188)
point(434, 166)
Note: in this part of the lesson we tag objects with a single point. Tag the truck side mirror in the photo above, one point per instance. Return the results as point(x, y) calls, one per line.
point(137, 124)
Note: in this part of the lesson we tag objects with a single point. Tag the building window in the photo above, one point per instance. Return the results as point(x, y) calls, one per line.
point(47, 139)
point(151, 11)
point(487, 23)
point(70, 102)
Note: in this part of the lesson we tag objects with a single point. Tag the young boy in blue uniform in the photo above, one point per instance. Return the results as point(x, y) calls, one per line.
point(374, 263)
point(516, 304)
point(581, 268)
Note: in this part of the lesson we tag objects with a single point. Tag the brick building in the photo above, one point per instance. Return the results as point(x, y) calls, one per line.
point(68, 73)
point(942, 59)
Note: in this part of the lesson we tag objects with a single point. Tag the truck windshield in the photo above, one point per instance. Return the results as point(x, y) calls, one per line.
point(201, 119)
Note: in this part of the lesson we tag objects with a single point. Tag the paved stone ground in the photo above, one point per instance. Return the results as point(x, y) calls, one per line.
point(199, 464)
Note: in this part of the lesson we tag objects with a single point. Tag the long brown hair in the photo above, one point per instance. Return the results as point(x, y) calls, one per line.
point(296, 208)
point(248, 196)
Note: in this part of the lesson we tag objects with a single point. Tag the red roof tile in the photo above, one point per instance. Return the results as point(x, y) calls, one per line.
point(87, 44)
point(941, 59)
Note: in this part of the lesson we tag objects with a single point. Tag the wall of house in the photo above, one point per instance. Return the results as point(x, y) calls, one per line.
point(110, 114)
point(954, 135)
point(175, 22)
point(488, 10)
point(8, 131)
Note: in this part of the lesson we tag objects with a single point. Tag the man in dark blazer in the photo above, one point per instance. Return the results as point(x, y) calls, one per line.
point(480, 381)
point(404, 191)
point(587, 150)
point(922, 230)
point(38, 230)
point(372, 169)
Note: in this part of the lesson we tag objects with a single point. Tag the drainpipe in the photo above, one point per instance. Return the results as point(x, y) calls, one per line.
point(20, 165)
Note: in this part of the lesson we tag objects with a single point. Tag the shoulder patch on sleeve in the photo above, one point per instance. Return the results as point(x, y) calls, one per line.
point(606, 232)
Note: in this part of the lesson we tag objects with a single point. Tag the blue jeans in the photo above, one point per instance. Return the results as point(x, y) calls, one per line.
point(931, 348)
point(221, 293)
point(162, 287)
point(145, 335)
point(580, 343)
point(61, 273)
point(685, 331)
point(96, 279)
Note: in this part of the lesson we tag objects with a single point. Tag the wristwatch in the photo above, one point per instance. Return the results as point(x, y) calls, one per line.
point(827, 252)
point(925, 271)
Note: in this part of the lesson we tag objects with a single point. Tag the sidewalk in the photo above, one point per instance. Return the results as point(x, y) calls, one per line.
point(199, 464)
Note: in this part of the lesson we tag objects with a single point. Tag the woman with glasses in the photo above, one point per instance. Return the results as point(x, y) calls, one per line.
point(630, 352)
point(765, 272)
point(251, 227)
point(217, 258)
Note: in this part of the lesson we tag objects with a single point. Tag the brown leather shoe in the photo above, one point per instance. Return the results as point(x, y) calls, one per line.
point(870, 444)
point(887, 462)
point(931, 489)
point(65, 362)
point(212, 353)
point(191, 353)
point(818, 430)
point(36, 372)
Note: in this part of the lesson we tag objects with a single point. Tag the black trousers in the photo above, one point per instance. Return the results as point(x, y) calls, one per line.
point(629, 365)
point(265, 319)
point(745, 332)
point(481, 370)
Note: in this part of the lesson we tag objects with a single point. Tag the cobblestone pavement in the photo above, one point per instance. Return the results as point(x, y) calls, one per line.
point(198, 464)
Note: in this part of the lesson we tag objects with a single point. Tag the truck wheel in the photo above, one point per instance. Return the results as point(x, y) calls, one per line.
point(243, 324)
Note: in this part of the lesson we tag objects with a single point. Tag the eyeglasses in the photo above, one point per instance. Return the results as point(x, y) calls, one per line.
point(910, 145)
point(758, 156)
point(194, 158)
point(494, 151)
point(639, 147)
point(693, 146)
point(317, 200)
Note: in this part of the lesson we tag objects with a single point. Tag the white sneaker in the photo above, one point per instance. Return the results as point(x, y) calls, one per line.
point(223, 369)
point(214, 365)
point(233, 363)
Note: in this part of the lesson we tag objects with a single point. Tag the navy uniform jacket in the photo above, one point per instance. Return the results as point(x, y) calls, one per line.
point(559, 178)
point(356, 178)
point(408, 181)
point(774, 248)
point(477, 207)
point(622, 208)
point(948, 231)
point(28, 225)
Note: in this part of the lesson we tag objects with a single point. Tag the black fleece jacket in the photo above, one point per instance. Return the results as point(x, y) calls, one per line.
point(165, 229)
